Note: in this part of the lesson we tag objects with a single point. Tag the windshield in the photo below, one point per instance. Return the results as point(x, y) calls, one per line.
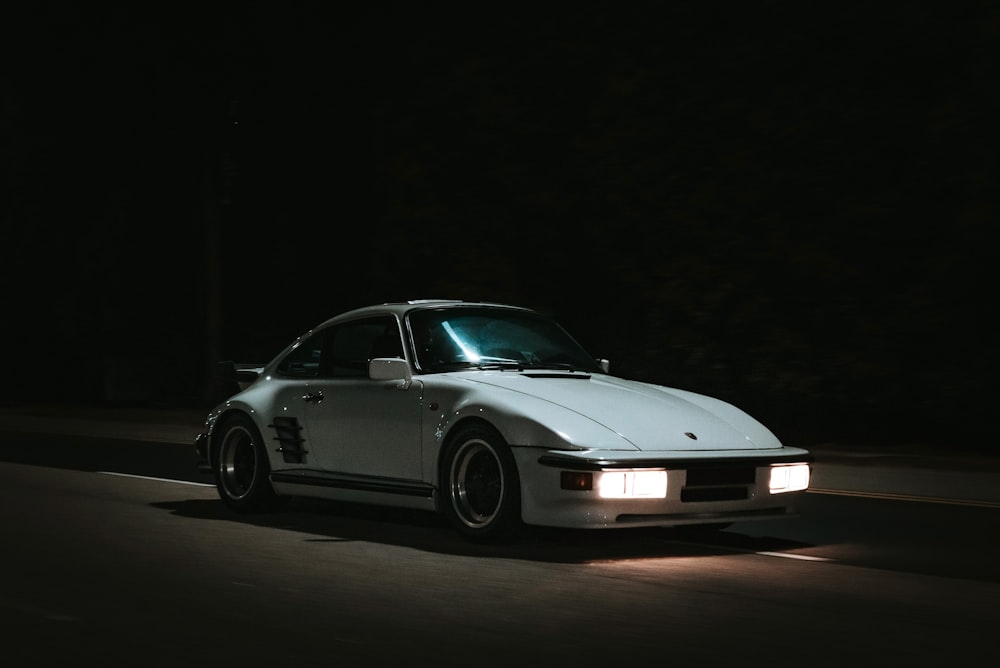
point(485, 337)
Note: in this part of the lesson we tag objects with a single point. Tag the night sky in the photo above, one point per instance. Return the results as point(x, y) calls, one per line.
point(784, 204)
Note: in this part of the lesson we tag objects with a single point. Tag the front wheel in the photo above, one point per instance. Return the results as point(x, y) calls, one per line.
point(480, 484)
point(242, 471)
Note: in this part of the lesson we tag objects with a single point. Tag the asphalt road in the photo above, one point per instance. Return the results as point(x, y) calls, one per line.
point(116, 552)
point(916, 471)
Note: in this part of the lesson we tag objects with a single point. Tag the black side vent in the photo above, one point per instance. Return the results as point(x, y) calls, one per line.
point(289, 436)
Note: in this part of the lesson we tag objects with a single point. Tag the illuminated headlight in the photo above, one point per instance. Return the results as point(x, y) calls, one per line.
point(790, 478)
point(632, 484)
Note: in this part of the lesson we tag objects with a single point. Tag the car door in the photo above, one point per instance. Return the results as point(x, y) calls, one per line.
point(356, 425)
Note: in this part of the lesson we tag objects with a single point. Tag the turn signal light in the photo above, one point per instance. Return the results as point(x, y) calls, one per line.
point(576, 480)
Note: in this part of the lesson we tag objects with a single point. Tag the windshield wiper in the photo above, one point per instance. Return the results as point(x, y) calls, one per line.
point(554, 365)
point(530, 366)
point(451, 366)
point(502, 365)
point(485, 364)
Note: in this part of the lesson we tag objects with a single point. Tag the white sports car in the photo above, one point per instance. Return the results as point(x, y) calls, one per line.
point(495, 416)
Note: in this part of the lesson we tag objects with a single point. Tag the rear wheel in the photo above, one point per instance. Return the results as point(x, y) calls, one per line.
point(241, 467)
point(480, 484)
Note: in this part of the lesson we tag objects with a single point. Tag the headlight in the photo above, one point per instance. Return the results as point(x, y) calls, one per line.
point(632, 484)
point(789, 478)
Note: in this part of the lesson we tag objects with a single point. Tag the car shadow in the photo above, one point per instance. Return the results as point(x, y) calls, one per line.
point(430, 532)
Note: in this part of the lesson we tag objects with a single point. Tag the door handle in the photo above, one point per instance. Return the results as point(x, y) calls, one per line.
point(309, 397)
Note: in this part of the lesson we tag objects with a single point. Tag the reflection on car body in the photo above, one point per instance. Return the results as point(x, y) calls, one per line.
point(495, 416)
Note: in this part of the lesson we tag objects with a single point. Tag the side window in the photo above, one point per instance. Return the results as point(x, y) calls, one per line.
point(353, 344)
point(304, 360)
point(343, 351)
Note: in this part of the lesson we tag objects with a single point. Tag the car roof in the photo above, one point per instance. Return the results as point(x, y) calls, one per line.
point(401, 308)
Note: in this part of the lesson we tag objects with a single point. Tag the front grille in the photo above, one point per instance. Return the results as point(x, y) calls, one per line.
point(732, 475)
point(729, 483)
point(689, 494)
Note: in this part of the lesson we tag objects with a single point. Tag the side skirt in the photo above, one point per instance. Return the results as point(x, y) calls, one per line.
point(357, 489)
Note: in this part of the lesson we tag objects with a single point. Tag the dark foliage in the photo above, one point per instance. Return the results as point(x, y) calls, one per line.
point(784, 204)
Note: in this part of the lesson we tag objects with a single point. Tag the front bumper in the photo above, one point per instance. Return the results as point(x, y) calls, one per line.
point(699, 489)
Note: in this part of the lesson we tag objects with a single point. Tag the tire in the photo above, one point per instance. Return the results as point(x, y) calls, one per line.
point(482, 492)
point(242, 471)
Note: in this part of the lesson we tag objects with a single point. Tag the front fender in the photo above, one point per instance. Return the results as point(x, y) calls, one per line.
point(523, 420)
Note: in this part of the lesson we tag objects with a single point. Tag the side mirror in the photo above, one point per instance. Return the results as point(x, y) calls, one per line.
point(390, 368)
point(605, 365)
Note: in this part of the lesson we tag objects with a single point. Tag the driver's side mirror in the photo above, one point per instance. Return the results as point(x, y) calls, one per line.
point(605, 365)
point(390, 368)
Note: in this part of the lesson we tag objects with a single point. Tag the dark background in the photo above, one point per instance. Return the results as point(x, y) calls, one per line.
point(787, 205)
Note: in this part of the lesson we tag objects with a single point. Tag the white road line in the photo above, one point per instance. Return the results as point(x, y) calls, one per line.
point(802, 557)
point(907, 497)
point(739, 550)
point(146, 477)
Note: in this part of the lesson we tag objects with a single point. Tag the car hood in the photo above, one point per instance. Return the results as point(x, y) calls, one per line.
point(650, 417)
